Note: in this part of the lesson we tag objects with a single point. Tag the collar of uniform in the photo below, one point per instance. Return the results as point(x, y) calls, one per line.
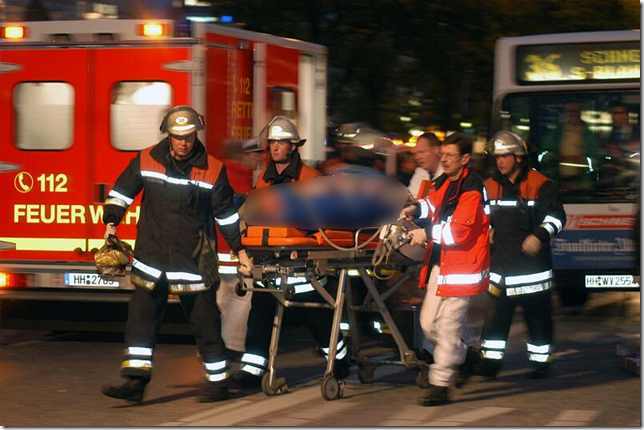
point(197, 158)
point(290, 173)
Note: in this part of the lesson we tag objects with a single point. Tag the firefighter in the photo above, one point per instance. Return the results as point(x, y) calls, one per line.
point(526, 214)
point(285, 165)
point(458, 264)
point(185, 192)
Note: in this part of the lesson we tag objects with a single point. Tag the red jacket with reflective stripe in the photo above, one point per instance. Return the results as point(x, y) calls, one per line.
point(461, 227)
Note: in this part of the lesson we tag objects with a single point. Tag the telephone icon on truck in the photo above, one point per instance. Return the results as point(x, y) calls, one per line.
point(24, 182)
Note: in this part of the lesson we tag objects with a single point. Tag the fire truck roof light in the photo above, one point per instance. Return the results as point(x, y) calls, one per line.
point(14, 32)
point(153, 30)
point(4, 279)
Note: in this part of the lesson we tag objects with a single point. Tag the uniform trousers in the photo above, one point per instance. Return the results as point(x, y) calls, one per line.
point(145, 314)
point(444, 320)
point(537, 311)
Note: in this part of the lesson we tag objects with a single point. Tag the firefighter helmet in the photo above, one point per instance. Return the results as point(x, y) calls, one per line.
point(505, 142)
point(280, 128)
point(182, 121)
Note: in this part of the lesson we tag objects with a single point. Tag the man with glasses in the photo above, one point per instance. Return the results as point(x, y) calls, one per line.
point(458, 262)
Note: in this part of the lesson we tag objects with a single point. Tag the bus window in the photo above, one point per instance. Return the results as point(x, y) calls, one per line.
point(50, 105)
point(589, 144)
point(136, 113)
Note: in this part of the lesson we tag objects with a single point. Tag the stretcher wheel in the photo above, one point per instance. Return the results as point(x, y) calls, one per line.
point(279, 387)
point(289, 292)
point(239, 289)
point(365, 373)
point(331, 388)
point(422, 377)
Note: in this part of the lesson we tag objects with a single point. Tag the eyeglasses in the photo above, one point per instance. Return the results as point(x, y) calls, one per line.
point(449, 156)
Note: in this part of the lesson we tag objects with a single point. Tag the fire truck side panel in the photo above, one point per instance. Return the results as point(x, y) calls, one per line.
point(111, 69)
point(43, 128)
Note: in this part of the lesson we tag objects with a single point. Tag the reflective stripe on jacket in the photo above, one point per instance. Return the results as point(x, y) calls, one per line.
point(517, 211)
point(461, 227)
point(176, 206)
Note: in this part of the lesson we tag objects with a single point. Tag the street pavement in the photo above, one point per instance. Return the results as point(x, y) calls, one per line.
point(54, 379)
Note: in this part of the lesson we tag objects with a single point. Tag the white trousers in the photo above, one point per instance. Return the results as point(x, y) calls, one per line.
point(444, 323)
point(234, 313)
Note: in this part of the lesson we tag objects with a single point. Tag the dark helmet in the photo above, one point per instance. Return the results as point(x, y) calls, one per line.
point(182, 121)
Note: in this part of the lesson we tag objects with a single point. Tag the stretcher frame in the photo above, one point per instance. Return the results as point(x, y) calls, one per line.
point(294, 261)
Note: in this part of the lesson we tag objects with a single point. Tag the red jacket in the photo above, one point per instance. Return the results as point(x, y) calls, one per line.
point(461, 225)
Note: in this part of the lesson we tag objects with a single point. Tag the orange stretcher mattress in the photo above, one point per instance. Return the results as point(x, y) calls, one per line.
point(281, 236)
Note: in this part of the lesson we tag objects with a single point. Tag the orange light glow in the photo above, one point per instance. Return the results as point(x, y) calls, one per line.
point(14, 32)
point(153, 30)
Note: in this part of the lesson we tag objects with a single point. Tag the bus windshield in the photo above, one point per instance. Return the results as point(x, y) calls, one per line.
point(587, 142)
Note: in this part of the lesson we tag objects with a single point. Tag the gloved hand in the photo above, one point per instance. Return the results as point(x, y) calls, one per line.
point(109, 229)
point(531, 245)
point(245, 265)
point(418, 236)
point(408, 212)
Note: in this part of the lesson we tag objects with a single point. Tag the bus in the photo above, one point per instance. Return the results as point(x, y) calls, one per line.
point(575, 98)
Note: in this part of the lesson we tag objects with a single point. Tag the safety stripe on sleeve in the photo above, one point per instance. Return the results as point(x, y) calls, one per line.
point(228, 220)
point(549, 227)
point(447, 234)
point(424, 209)
point(495, 277)
point(120, 196)
point(116, 202)
point(554, 221)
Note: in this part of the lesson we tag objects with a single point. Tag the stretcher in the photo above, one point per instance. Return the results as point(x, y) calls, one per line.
point(282, 253)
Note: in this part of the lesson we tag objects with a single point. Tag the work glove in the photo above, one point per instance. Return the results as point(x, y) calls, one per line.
point(110, 229)
point(418, 237)
point(531, 245)
point(245, 265)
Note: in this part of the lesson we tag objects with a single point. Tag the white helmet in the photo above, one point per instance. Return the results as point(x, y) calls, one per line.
point(505, 142)
point(281, 128)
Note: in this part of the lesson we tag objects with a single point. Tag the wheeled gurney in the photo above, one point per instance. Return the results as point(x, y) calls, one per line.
point(283, 253)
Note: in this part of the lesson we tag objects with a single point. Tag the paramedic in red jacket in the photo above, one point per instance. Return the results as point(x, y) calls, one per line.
point(458, 261)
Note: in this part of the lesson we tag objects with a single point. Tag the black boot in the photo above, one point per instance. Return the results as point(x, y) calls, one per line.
point(541, 371)
point(488, 369)
point(244, 379)
point(214, 393)
point(131, 389)
point(466, 371)
point(342, 368)
point(434, 396)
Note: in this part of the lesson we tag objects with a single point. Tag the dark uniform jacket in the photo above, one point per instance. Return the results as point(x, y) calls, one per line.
point(529, 206)
point(181, 200)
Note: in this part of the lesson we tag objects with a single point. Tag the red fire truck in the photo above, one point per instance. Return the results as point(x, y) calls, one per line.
point(79, 98)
